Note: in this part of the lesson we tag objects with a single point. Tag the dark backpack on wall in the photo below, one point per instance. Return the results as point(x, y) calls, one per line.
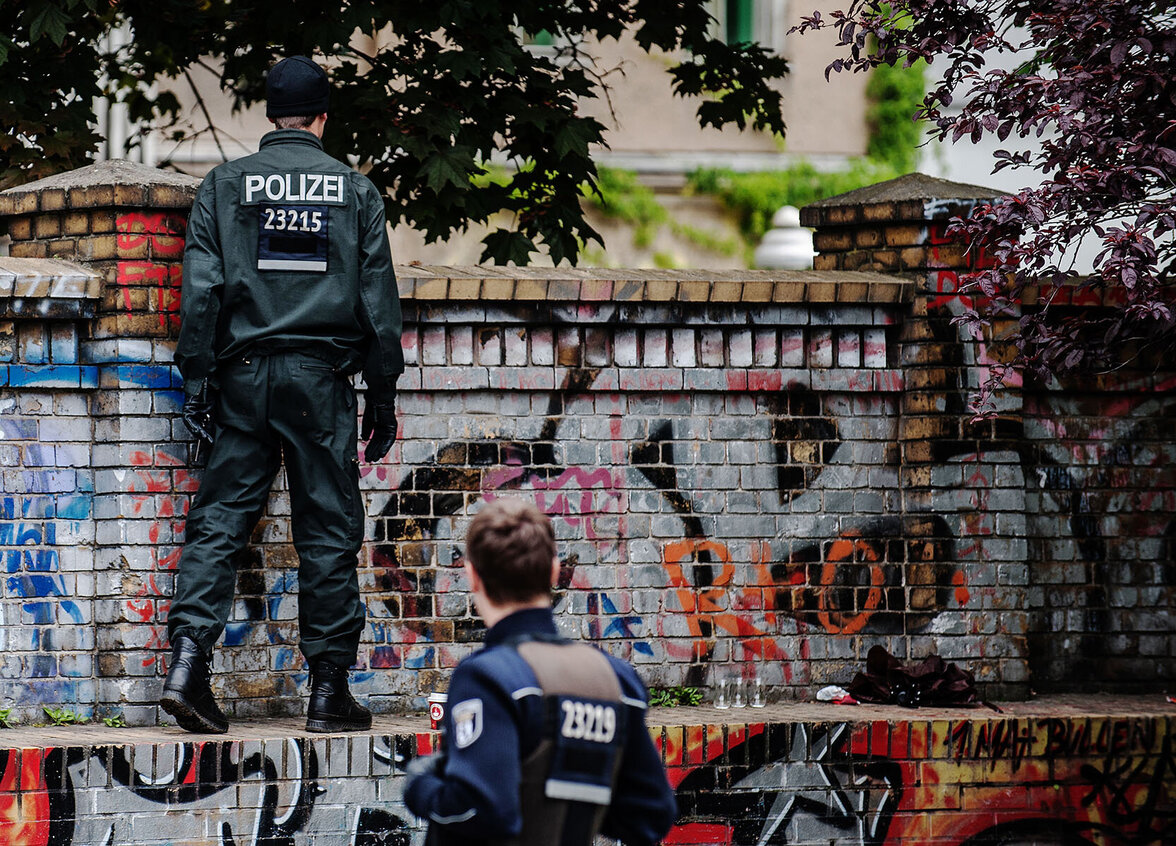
point(933, 681)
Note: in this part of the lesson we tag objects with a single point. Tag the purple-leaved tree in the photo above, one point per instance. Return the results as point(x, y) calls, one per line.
point(1093, 88)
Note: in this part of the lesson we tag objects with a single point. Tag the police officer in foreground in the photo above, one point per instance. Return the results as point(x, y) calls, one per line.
point(288, 290)
point(544, 739)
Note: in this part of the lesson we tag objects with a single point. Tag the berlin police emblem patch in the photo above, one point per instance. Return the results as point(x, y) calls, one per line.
point(467, 722)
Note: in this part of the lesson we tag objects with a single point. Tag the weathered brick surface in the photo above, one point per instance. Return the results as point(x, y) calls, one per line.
point(745, 470)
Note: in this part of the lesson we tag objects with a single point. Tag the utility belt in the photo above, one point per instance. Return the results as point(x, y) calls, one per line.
point(343, 361)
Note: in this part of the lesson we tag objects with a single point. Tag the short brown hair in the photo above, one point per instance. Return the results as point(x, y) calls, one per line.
point(511, 545)
point(294, 121)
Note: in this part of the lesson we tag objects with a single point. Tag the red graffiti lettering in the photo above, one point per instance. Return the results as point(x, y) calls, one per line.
point(163, 279)
point(163, 232)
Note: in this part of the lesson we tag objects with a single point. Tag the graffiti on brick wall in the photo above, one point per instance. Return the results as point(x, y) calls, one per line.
point(763, 527)
point(157, 486)
point(238, 793)
point(1101, 467)
point(947, 299)
point(151, 283)
point(1106, 470)
point(44, 615)
point(1045, 781)
point(784, 784)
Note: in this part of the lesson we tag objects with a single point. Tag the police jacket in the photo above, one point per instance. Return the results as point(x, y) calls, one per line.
point(286, 249)
point(474, 794)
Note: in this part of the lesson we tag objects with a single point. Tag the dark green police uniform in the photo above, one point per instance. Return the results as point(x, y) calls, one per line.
point(288, 289)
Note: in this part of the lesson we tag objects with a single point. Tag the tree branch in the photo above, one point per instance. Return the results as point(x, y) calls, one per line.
point(204, 108)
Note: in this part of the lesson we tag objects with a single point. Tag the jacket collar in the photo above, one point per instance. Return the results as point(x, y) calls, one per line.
point(290, 136)
point(527, 621)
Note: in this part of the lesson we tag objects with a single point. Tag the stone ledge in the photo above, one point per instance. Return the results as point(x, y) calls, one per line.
point(435, 283)
point(923, 776)
point(1066, 706)
point(47, 279)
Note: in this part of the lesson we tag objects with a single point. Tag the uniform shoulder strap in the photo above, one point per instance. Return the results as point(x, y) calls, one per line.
point(570, 668)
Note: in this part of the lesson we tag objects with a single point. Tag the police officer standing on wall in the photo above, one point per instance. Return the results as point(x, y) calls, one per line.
point(544, 740)
point(288, 289)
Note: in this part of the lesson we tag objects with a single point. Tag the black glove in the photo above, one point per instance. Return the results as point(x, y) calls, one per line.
point(379, 426)
point(197, 414)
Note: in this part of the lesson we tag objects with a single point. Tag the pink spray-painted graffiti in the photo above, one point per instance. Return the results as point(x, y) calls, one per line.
point(641, 508)
point(159, 488)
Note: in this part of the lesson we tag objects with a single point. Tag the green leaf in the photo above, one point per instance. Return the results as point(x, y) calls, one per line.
point(48, 20)
point(61, 716)
point(503, 246)
point(448, 167)
point(460, 64)
point(575, 136)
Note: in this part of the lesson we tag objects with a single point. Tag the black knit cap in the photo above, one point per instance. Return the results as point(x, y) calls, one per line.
point(296, 86)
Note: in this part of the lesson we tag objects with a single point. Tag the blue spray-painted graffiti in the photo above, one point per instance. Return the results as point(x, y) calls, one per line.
point(30, 555)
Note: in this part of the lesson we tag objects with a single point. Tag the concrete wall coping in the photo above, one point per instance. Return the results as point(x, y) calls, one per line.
point(50, 279)
point(912, 186)
point(599, 285)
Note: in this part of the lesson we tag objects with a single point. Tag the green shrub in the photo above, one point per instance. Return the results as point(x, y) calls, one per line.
point(895, 95)
point(62, 716)
point(672, 697)
point(755, 197)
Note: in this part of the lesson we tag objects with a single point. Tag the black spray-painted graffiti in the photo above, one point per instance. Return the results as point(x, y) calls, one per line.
point(242, 793)
point(843, 575)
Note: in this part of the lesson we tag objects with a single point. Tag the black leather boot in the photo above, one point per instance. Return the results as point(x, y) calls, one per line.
point(186, 694)
point(332, 707)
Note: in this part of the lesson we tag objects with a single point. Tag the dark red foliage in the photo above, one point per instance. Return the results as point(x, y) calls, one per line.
point(1093, 87)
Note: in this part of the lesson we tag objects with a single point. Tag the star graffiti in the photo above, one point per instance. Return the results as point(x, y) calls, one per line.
point(798, 787)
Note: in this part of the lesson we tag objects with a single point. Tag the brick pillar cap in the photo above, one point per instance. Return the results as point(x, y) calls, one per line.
point(117, 183)
point(913, 197)
point(47, 279)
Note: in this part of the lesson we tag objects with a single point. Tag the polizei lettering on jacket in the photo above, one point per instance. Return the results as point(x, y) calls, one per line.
point(323, 188)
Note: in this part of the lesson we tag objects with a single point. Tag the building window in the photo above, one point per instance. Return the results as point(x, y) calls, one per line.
point(739, 21)
point(542, 38)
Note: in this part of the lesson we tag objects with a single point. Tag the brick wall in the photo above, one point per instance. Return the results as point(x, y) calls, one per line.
point(1091, 457)
point(118, 448)
point(948, 781)
point(750, 473)
point(46, 481)
point(1101, 532)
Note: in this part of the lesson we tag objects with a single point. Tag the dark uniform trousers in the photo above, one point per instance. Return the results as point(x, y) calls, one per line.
point(282, 405)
